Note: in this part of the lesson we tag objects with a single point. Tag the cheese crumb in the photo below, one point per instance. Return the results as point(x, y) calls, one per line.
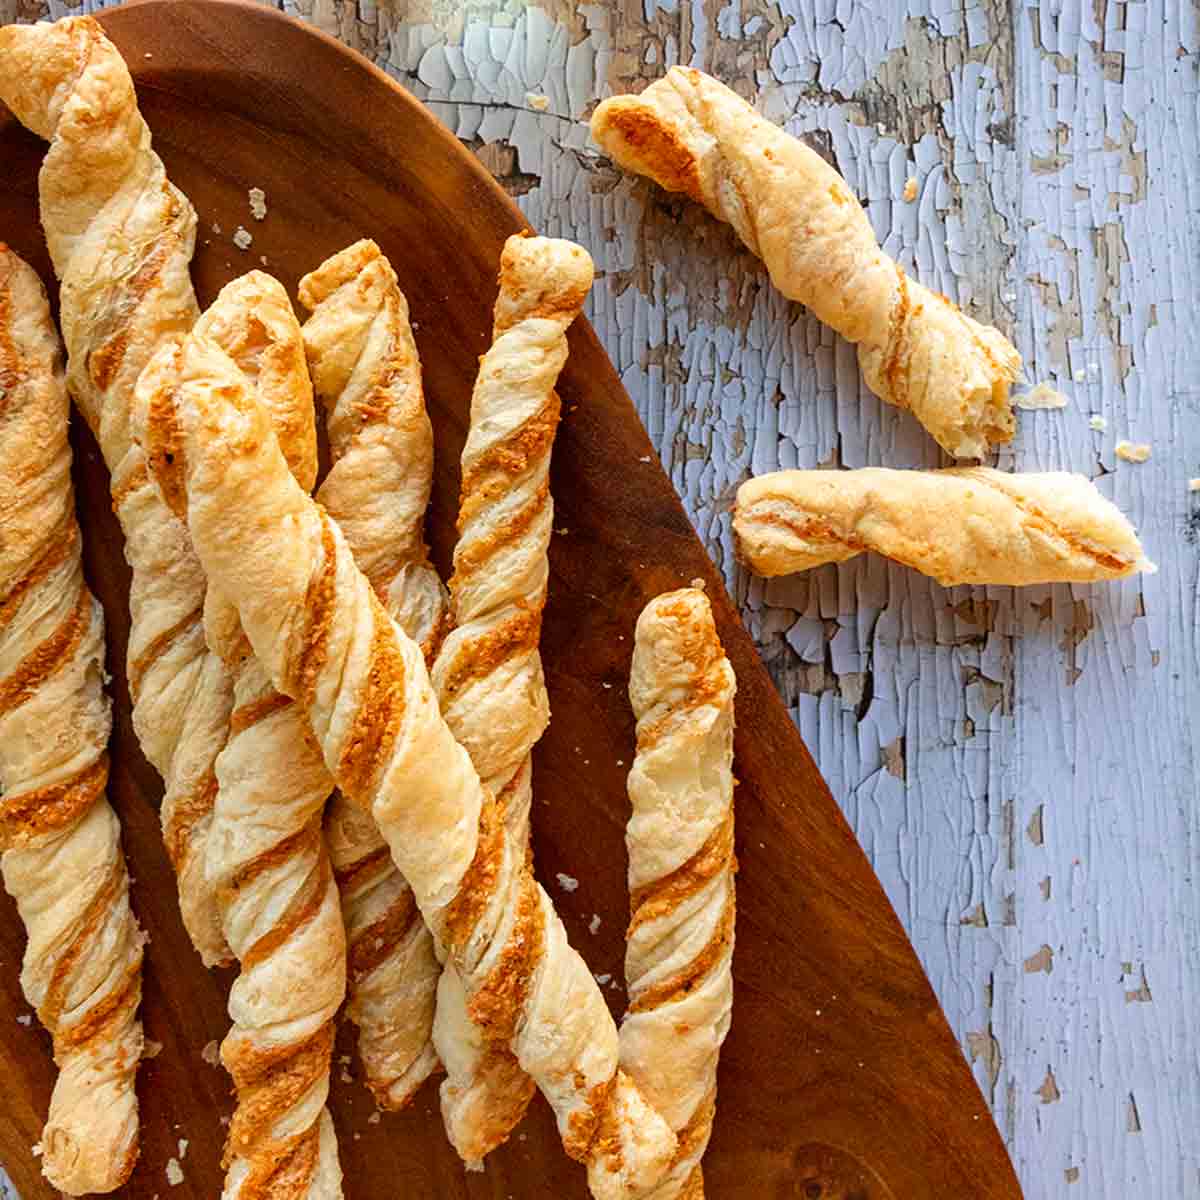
point(1042, 396)
point(174, 1173)
point(211, 1053)
point(1134, 452)
point(151, 1049)
point(910, 190)
point(594, 924)
point(242, 238)
point(537, 101)
point(258, 203)
point(1098, 423)
point(183, 1145)
point(567, 882)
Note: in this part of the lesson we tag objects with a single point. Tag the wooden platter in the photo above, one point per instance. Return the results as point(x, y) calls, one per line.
point(841, 1079)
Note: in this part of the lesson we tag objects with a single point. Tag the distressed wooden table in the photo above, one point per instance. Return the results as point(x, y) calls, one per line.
point(1020, 765)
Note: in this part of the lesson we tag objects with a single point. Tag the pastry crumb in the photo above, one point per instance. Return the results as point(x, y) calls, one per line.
point(174, 1172)
point(211, 1053)
point(242, 238)
point(215, 227)
point(698, 584)
point(262, 258)
point(910, 190)
point(567, 882)
point(36, 1148)
point(151, 1048)
point(258, 203)
point(25, 1019)
point(1194, 485)
point(537, 101)
point(602, 979)
point(645, 458)
point(374, 1118)
point(1098, 423)
point(183, 1145)
point(594, 924)
point(346, 1077)
point(1041, 396)
point(1134, 452)
point(1080, 375)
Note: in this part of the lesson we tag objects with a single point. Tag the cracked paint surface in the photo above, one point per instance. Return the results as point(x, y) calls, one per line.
point(1020, 766)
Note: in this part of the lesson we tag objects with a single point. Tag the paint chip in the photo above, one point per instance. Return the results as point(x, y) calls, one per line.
point(242, 238)
point(1042, 960)
point(1043, 396)
point(893, 758)
point(1049, 1090)
point(1134, 452)
point(568, 883)
point(537, 101)
point(174, 1173)
point(258, 203)
point(910, 190)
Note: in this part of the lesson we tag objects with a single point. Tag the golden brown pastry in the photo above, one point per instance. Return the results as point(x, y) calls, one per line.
point(367, 373)
point(681, 868)
point(692, 134)
point(61, 841)
point(266, 858)
point(121, 239)
point(964, 525)
point(315, 623)
point(488, 675)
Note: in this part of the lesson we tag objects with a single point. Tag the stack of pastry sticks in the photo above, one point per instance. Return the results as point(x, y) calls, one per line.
point(344, 742)
point(282, 649)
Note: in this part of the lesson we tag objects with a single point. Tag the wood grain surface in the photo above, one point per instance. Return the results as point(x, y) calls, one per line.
point(841, 1078)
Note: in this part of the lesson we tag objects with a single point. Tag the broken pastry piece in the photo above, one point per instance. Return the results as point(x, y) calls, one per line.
point(964, 525)
point(692, 134)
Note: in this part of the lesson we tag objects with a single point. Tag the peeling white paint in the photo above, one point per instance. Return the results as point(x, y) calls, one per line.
point(1020, 766)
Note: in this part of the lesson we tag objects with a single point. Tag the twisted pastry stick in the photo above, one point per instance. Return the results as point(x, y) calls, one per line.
point(267, 862)
point(692, 134)
point(121, 237)
point(964, 525)
point(489, 673)
point(367, 374)
point(681, 869)
point(61, 840)
point(322, 634)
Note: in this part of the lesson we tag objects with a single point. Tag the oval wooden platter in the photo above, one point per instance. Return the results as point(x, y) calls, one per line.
point(841, 1079)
